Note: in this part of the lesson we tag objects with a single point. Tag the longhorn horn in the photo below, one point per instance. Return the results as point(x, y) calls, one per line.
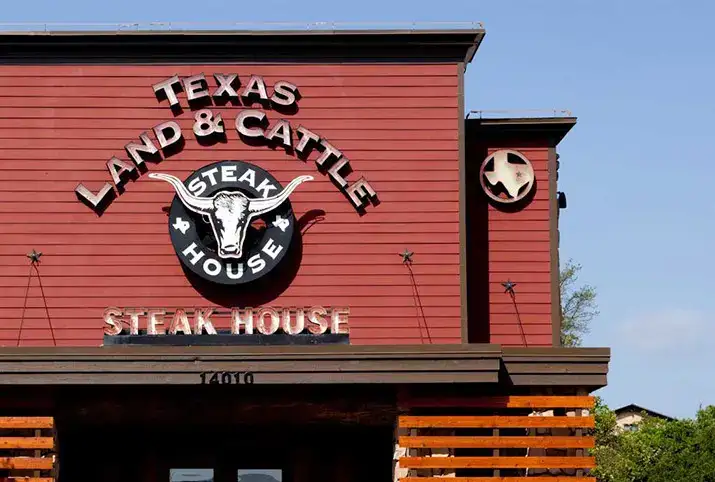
point(200, 205)
point(260, 206)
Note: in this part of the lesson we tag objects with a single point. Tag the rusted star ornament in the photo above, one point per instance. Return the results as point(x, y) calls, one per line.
point(406, 256)
point(508, 286)
point(34, 256)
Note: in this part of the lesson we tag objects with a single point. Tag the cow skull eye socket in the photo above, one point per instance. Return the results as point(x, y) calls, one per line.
point(258, 223)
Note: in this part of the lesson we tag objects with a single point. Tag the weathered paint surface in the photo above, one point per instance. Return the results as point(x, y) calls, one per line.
point(397, 124)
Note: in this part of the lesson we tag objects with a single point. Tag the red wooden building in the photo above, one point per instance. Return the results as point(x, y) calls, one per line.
point(282, 256)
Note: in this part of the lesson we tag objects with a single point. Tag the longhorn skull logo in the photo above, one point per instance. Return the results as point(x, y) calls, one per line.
point(230, 213)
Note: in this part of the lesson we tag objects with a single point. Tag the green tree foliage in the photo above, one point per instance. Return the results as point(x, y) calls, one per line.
point(658, 451)
point(578, 305)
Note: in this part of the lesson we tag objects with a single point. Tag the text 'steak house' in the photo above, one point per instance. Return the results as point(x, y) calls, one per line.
point(278, 256)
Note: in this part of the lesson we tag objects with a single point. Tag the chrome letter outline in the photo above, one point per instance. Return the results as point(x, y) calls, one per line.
point(229, 196)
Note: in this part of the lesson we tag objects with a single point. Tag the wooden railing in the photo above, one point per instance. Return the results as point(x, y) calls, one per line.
point(27, 448)
point(496, 439)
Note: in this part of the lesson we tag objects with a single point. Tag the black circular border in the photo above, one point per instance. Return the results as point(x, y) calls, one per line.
point(280, 238)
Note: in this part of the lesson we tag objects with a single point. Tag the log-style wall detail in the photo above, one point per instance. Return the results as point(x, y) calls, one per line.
point(496, 439)
point(27, 448)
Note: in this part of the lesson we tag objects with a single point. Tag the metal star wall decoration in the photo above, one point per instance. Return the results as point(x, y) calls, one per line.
point(406, 256)
point(509, 286)
point(34, 256)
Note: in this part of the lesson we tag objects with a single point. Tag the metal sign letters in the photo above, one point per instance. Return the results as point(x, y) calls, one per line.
point(313, 320)
point(251, 125)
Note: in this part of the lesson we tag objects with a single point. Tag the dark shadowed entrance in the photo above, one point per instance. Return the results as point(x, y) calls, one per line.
point(134, 435)
point(147, 454)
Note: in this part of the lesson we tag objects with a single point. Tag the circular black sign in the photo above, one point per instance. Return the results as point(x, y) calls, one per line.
point(231, 222)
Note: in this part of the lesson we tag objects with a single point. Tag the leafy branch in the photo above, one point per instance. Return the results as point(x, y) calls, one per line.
point(578, 305)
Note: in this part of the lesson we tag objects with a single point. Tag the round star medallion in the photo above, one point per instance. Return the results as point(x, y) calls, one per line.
point(506, 176)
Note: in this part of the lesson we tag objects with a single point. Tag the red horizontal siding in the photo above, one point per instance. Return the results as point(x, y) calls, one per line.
point(283, 72)
point(386, 250)
point(364, 102)
point(396, 123)
point(520, 251)
point(103, 297)
point(158, 114)
point(332, 132)
point(209, 154)
point(437, 125)
point(348, 79)
point(518, 340)
point(75, 342)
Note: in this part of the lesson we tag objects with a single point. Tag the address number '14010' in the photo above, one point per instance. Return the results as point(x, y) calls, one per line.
point(227, 378)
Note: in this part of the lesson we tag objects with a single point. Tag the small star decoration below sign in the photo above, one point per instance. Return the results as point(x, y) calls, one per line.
point(508, 286)
point(406, 256)
point(34, 256)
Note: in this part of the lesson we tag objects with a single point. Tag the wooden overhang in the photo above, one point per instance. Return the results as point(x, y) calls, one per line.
point(585, 368)
point(231, 46)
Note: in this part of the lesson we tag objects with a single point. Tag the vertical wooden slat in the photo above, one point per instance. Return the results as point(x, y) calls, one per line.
point(579, 432)
point(411, 452)
point(56, 448)
point(579, 453)
point(496, 453)
point(38, 453)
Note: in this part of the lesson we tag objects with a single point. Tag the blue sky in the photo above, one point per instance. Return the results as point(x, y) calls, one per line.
point(636, 169)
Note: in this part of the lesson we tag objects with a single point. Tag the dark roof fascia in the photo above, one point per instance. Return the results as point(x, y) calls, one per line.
point(637, 408)
point(241, 33)
point(582, 368)
point(473, 49)
point(553, 129)
point(152, 47)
